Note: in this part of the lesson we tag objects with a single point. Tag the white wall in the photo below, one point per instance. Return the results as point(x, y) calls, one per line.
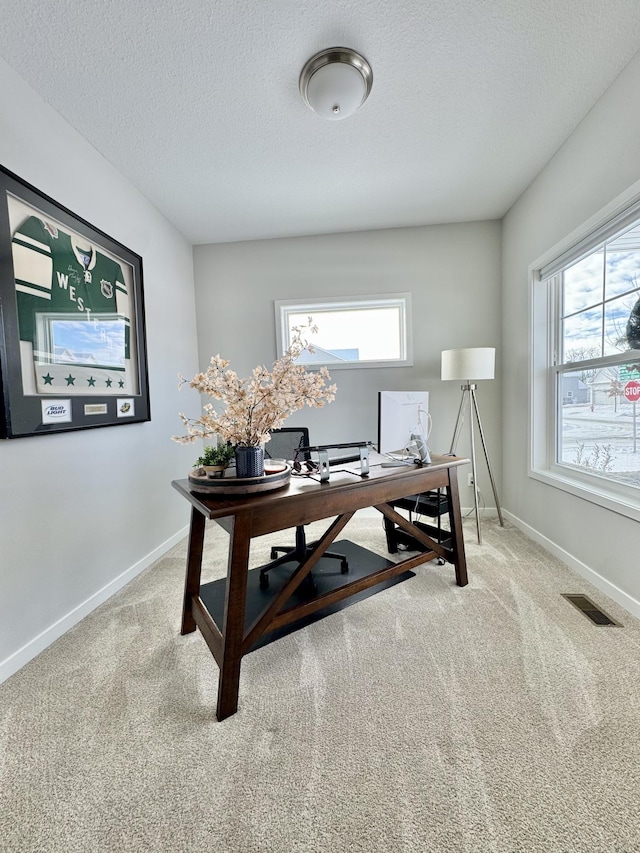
point(452, 271)
point(599, 161)
point(81, 513)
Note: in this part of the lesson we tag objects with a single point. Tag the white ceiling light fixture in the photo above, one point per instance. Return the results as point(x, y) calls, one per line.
point(336, 82)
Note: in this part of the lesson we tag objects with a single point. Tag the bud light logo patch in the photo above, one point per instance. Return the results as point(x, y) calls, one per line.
point(56, 411)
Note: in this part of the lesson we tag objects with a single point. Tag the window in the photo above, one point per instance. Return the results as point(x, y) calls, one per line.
point(362, 331)
point(586, 367)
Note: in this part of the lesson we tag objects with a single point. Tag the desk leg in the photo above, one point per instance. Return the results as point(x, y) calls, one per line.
point(233, 621)
point(391, 534)
point(194, 568)
point(455, 522)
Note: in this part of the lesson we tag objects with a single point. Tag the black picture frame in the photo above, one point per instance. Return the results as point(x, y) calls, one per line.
point(73, 351)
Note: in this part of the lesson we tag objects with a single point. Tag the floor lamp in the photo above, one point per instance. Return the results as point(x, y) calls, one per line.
point(470, 365)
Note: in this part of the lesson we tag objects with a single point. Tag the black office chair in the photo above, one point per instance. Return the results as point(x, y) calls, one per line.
point(285, 444)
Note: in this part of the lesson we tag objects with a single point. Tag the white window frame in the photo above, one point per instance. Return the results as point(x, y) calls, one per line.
point(544, 371)
point(285, 307)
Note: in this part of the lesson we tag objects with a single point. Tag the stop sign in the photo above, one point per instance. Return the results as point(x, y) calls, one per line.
point(632, 391)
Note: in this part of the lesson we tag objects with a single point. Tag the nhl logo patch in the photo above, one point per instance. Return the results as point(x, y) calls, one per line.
point(51, 229)
point(106, 288)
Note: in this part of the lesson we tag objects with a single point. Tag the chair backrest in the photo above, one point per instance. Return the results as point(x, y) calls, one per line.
point(285, 441)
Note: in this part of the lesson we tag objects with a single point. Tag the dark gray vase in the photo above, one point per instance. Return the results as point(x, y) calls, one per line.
point(249, 461)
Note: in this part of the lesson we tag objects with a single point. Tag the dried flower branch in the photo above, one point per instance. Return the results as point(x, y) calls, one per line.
point(260, 403)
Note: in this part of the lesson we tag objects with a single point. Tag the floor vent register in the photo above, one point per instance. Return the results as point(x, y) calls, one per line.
point(591, 610)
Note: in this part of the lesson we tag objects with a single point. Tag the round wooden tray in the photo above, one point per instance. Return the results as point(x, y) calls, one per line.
point(276, 475)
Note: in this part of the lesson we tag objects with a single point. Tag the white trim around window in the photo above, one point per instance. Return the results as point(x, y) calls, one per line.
point(353, 331)
point(547, 365)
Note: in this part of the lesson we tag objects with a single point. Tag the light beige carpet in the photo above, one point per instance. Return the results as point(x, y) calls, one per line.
point(428, 718)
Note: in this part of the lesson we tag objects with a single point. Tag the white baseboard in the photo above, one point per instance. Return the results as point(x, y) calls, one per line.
point(615, 593)
point(33, 648)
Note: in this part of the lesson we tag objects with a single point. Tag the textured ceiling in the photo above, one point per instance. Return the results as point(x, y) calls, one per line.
point(197, 103)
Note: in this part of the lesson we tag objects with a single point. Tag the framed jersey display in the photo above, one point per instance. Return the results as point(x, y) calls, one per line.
point(72, 333)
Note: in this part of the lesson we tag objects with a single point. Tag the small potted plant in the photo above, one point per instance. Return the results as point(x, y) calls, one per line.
point(215, 459)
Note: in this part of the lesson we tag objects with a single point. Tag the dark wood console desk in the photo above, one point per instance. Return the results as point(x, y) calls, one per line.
point(301, 502)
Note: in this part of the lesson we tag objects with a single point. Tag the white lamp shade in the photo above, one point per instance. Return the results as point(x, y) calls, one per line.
point(468, 364)
point(335, 91)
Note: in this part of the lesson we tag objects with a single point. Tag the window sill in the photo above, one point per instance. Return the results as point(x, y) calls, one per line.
point(623, 504)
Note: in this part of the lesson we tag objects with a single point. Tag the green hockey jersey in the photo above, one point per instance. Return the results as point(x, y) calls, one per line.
point(73, 308)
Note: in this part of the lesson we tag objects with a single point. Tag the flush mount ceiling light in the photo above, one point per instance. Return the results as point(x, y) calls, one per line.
point(335, 82)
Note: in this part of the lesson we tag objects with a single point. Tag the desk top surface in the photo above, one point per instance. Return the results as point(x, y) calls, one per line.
point(343, 479)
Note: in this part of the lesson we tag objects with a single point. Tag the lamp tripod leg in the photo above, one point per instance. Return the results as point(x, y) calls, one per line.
point(473, 471)
point(459, 422)
point(486, 456)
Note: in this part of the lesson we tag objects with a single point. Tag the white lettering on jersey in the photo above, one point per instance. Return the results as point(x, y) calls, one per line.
point(63, 280)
